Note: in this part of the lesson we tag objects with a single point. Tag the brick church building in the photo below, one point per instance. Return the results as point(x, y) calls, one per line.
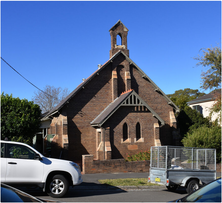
point(117, 111)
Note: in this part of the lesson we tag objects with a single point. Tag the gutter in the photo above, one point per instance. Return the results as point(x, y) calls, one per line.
point(199, 101)
point(47, 118)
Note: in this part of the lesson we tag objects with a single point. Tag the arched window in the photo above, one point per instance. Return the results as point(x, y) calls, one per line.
point(125, 132)
point(118, 40)
point(138, 131)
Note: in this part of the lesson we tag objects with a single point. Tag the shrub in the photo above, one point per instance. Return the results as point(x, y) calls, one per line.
point(141, 156)
point(189, 119)
point(20, 119)
point(205, 137)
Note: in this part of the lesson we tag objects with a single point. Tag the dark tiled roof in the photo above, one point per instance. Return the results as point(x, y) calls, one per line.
point(208, 97)
point(110, 109)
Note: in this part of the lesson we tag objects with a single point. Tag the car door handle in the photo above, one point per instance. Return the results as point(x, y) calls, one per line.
point(12, 163)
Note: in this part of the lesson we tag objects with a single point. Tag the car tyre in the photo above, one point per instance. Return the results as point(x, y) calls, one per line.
point(192, 186)
point(58, 186)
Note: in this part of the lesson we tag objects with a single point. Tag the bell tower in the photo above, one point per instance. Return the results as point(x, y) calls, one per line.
point(121, 76)
point(118, 30)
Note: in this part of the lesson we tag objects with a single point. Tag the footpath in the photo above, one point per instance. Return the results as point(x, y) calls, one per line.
point(90, 182)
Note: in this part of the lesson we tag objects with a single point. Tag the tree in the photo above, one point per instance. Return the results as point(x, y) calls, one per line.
point(181, 97)
point(188, 118)
point(20, 119)
point(51, 97)
point(205, 137)
point(216, 108)
point(211, 59)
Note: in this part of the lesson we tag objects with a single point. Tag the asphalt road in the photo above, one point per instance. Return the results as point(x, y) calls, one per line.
point(118, 195)
point(92, 191)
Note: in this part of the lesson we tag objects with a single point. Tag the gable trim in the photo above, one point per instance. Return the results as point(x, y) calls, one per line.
point(129, 98)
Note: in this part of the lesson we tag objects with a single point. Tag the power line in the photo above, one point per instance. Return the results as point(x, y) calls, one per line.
point(25, 78)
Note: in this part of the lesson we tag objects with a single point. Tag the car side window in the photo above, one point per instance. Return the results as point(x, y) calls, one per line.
point(20, 152)
point(2, 150)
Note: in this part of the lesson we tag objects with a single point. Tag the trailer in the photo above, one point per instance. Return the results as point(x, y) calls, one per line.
point(187, 167)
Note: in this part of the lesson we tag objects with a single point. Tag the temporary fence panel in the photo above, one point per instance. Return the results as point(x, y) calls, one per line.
point(183, 158)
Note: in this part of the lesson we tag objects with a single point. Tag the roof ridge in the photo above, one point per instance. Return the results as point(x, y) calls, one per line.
point(126, 91)
point(118, 22)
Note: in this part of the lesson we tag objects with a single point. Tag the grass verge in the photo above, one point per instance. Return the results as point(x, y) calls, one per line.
point(127, 182)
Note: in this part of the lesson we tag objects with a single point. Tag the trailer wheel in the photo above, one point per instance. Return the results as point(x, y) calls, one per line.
point(192, 186)
point(172, 187)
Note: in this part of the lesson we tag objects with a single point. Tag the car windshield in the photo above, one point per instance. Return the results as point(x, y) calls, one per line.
point(209, 193)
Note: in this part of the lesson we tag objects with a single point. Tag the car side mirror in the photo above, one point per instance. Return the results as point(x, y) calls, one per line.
point(37, 156)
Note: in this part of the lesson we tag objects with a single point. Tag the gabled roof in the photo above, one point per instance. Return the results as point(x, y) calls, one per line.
point(156, 88)
point(79, 87)
point(206, 98)
point(117, 24)
point(83, 84)
point(129, 98)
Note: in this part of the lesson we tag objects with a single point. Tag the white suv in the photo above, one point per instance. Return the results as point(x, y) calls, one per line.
point(22, 164)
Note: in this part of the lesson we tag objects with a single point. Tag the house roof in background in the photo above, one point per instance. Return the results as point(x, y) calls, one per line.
point(206, 98)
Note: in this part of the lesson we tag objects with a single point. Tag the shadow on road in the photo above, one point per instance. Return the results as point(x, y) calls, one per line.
point(91, 189)
point(84, 189)
point(180, 190)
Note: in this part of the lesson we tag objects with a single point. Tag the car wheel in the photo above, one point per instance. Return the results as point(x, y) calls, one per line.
point(192, 186)
point(58, 186)
point(172, 187)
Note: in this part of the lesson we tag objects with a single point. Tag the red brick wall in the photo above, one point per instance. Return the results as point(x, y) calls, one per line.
point(91, 166)
point(130, 116)
point(95, 96)
point(219, 168)
point(83, 109)
point(114, 33)
point(156, 101)
point(147, 92)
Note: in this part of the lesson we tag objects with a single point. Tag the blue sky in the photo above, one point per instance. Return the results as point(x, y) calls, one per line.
point(59, 43)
